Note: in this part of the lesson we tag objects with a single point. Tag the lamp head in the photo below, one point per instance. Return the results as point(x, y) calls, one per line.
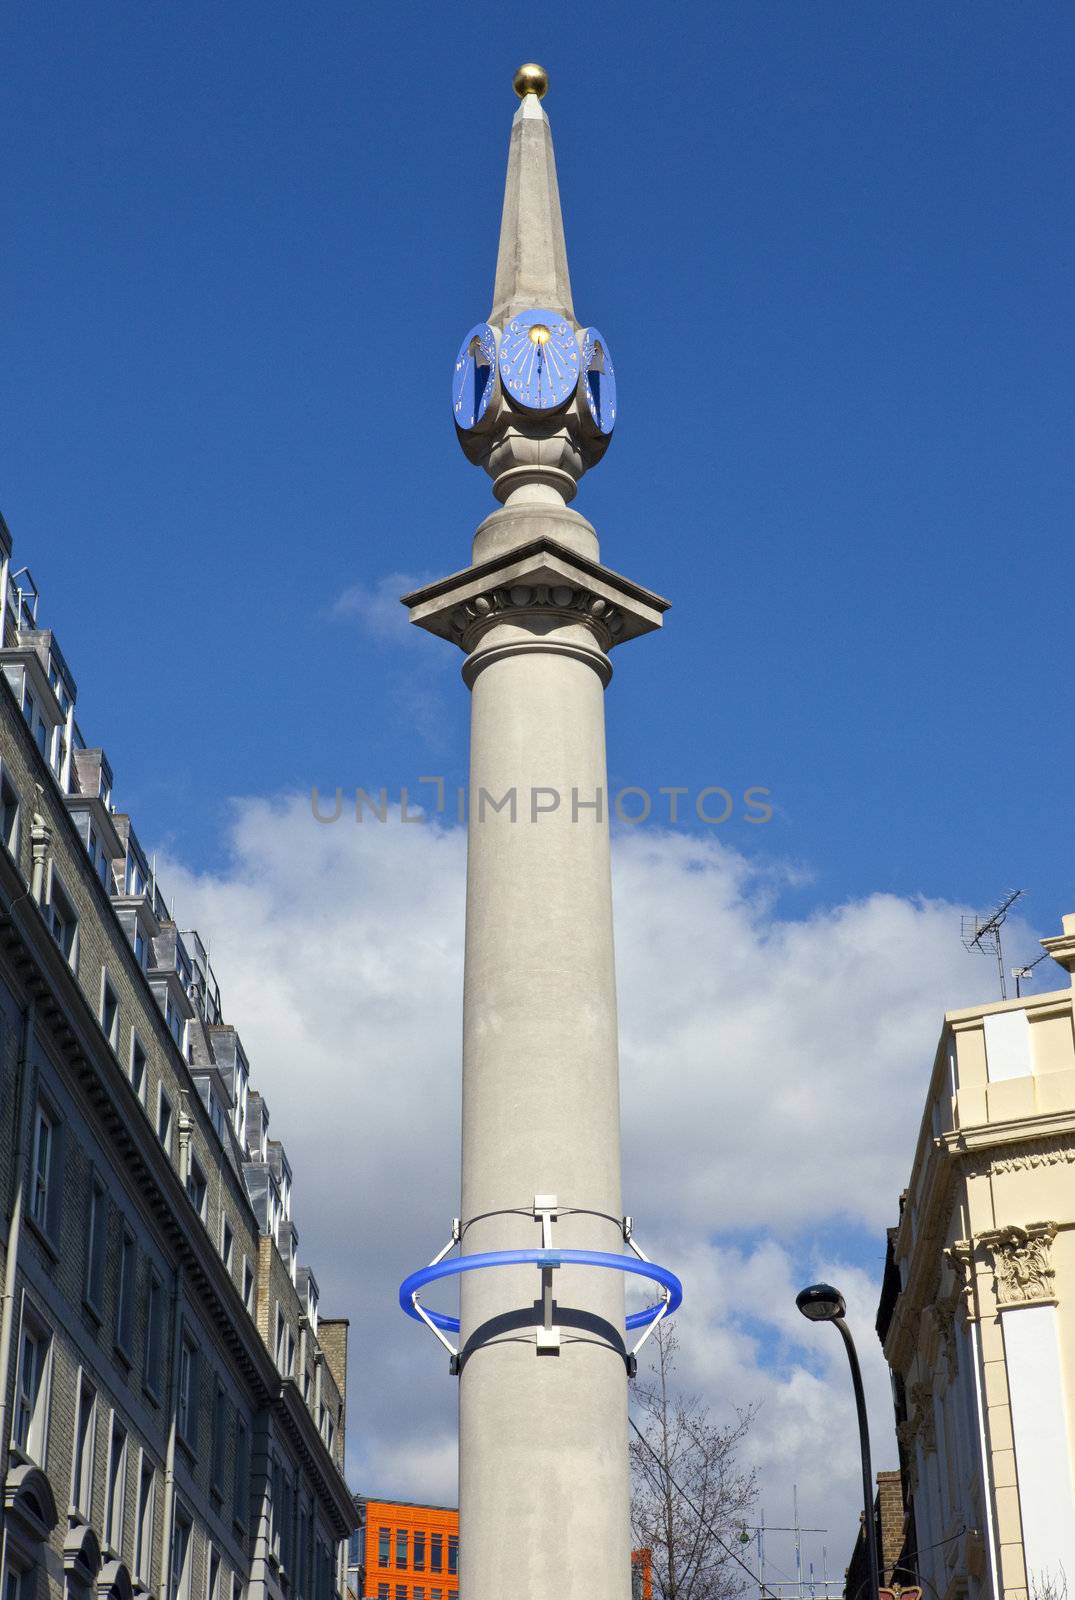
point(820, 1302)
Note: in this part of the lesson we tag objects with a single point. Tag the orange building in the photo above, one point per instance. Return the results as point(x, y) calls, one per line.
point(403, 1551)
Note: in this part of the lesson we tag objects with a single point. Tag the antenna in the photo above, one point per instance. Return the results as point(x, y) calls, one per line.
point(1021, 974)
point(983, 934)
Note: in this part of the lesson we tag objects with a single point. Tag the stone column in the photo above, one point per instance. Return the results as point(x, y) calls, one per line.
point(543, 1445)
point(543, 1490)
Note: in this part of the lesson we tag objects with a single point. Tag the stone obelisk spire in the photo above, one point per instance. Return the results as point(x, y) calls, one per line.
point(542, 1370)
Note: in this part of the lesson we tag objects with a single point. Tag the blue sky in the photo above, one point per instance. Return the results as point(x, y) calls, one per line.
point(831, 248)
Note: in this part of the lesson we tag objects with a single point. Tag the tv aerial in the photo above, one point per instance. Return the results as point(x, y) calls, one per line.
point(1022, 974)
point(983, 934)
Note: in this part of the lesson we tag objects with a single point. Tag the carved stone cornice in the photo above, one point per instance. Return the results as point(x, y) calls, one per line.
point(1058, 1152)
point(1021, 1263)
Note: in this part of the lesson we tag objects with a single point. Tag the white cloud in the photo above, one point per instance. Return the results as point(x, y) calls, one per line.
point(774, 1070)
point(376, 607)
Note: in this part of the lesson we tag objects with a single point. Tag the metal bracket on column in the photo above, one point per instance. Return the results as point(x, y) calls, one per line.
point(545, 1210)
point(547, 1260)
point(547, 1337)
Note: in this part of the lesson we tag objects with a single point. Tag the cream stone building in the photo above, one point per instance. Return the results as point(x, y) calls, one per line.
point(977, 1315)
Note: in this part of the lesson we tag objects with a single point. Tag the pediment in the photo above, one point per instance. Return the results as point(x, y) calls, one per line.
point(29, 1502)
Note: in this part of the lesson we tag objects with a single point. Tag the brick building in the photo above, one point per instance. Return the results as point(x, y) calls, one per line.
point(890, 1531)
point(171, 1399)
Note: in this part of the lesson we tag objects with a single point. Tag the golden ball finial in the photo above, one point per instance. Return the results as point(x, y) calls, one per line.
point(531, 79)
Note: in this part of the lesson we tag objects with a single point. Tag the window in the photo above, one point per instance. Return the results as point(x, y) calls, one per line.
point(220, 1426)
point(289, 1363)
point(187, 1400)
point(151, 1375)
point(436, 1552)
point(180, 1562)
point(62, 921)
point(236, 1587)
point(109, 1012)
point(218, 1117)
point(143, 1533)
point(384, 1547)
point(281, 1337)
point(401, 1547)
point(96, 1241)
point(382, 1591)
point(117, 1486)
point(401, 1591)
point(276, 1508)
point(140, 948)
point(164, 1120)
point(177, 1026)
point(28, 709)
point(418, 1592)
point(212, 1587)
point(419, 1553)
point(227, 1240)
point(9, 816)
point(32, 1389)
point(139, 1074)
point(85, 1446)
point(18, 1580)
point(197, 1188)
point(435, 1594)
point(248, 1286)
point(125, 1289)
point(240, 1487)
point(453, 1553)
point(41, 1194)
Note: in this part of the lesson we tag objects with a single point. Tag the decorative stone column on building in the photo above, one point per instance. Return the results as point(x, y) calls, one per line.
point(542, 1362)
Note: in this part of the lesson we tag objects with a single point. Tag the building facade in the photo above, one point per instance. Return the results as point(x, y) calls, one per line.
point(171, 1398)
point(404, 1551)
point(977, 1314)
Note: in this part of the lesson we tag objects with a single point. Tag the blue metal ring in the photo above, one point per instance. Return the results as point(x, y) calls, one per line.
point(541, 1258)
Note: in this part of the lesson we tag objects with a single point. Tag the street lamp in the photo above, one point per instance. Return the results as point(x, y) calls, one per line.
point(820, 1302)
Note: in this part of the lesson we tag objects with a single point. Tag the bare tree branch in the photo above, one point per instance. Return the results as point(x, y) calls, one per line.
point(701, 1457)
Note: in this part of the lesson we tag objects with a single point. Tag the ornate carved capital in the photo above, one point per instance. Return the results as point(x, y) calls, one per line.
point(923, 1421)
point(564, 600)
point(961, 1256)
point(1021, 1263)
point(942, 1317)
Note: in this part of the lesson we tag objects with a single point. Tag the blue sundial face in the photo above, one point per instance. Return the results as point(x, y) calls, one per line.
point(539, 360)
point(473, 379)
point(598, 380)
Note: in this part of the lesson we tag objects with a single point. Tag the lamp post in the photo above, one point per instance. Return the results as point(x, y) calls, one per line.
point(820, 1302)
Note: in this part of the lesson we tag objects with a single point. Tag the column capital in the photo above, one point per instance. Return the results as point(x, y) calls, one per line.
point(537, 586)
